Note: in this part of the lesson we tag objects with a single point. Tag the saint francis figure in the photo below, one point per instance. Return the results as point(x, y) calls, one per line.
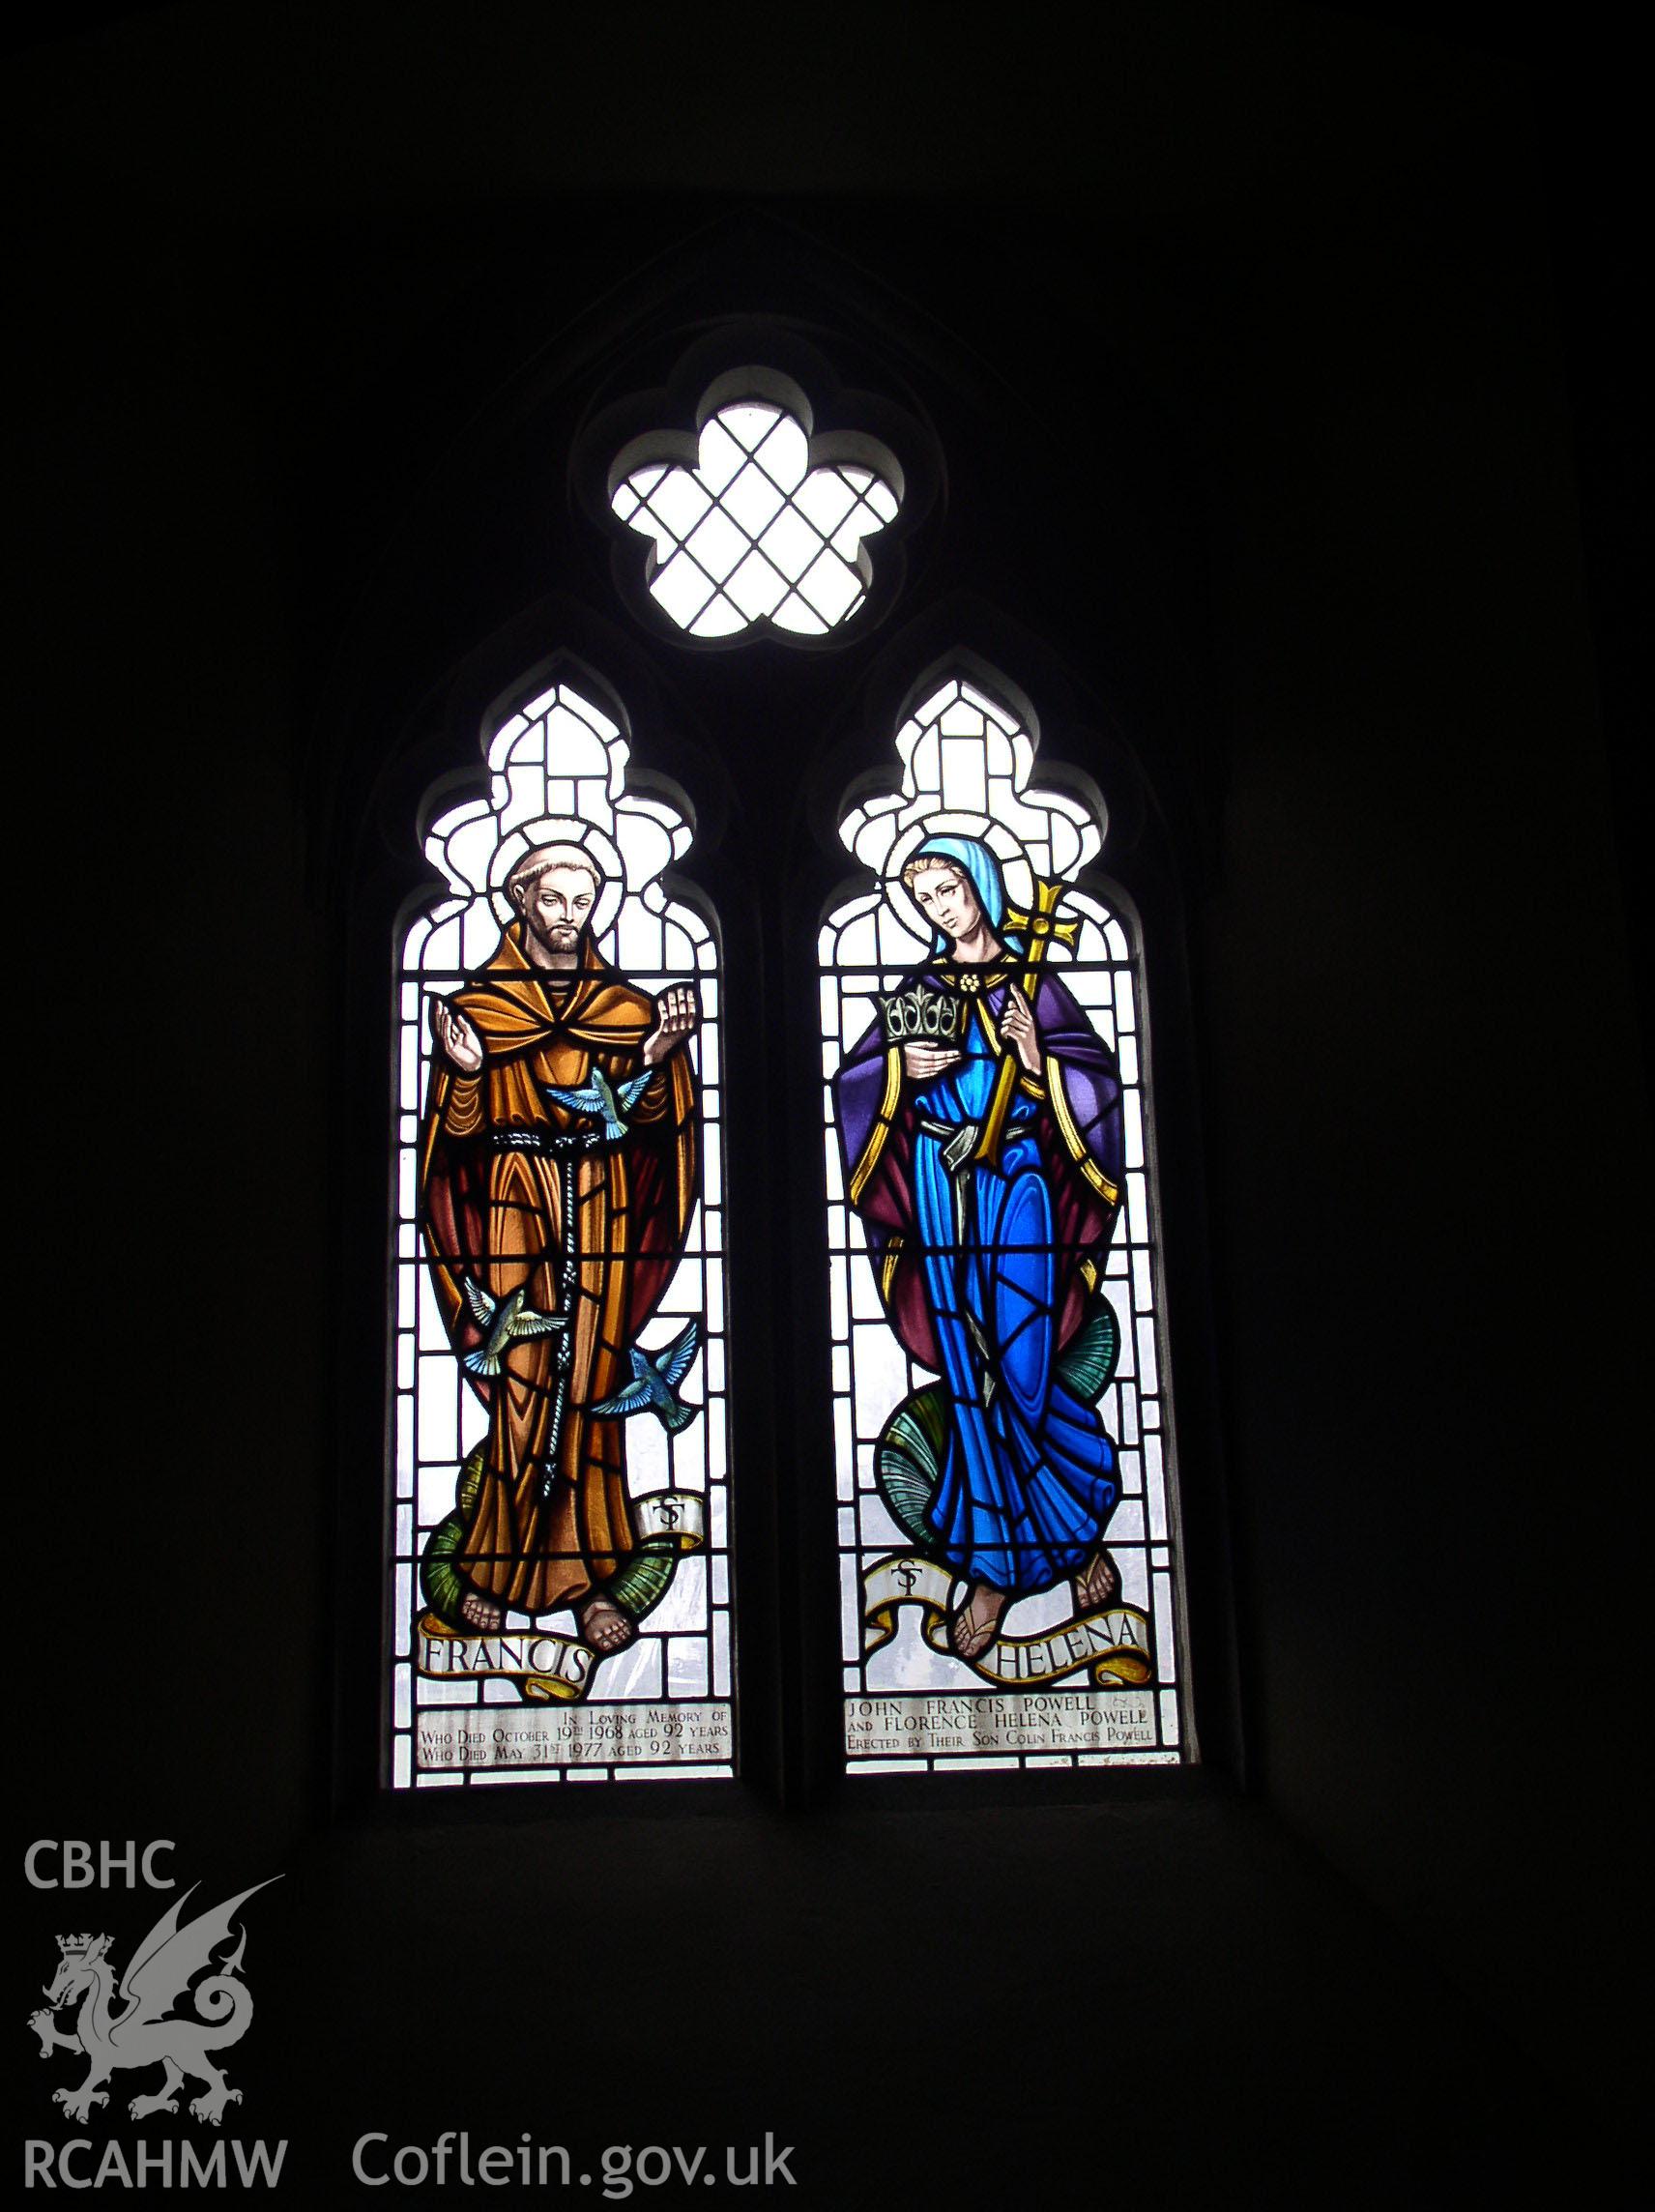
point(557, 1179)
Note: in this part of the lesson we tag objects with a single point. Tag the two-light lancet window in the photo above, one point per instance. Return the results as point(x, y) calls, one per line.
point(562, 1498)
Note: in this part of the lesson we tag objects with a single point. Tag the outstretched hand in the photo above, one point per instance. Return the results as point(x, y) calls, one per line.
point(455, 1037)
point(1018, 1028)
point(677, 1015)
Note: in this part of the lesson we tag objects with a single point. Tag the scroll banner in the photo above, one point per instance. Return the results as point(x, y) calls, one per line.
point(677, 1517)
point(547, 1667)
point(543, 1666)
point(1113, 1643)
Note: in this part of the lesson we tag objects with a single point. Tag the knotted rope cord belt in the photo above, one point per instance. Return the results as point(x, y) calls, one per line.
point(565, 1147)
point(554, 1143)
point(565, 1304)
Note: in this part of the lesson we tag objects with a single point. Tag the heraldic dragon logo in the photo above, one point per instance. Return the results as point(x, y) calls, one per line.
point(168, 1960)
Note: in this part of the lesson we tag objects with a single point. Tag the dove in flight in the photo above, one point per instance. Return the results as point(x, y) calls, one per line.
point(600, 1098)
point(504, 1321)
point(656, 1376)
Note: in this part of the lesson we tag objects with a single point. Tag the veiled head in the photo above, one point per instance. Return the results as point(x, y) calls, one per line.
point(945, 895)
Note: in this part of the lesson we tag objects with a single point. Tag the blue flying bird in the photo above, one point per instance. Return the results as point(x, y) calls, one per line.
point(598, 1098)
point(504, 1321)
point(654, 1384)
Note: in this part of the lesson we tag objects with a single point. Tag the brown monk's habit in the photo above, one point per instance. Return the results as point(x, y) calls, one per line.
point(496, 1216)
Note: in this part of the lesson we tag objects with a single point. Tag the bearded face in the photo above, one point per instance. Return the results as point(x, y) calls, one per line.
point(556, 907)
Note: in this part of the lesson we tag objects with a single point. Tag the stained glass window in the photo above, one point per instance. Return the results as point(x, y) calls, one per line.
point(757, 528)
point(1008, 1559)
point(560, 1559)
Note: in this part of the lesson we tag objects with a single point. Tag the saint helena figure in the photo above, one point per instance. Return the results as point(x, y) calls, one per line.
point(988, 1271)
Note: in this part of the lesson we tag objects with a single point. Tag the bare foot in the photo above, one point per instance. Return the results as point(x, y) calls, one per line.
point(972, 1630)
point(479, 1612)
point(604, 1626)
point(1098, 1583)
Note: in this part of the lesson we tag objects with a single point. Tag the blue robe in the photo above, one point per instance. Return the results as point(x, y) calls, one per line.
point(1029, 1478)
point(986, 1273)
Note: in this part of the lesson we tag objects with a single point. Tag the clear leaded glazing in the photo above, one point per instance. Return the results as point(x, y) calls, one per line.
point(754, 530)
